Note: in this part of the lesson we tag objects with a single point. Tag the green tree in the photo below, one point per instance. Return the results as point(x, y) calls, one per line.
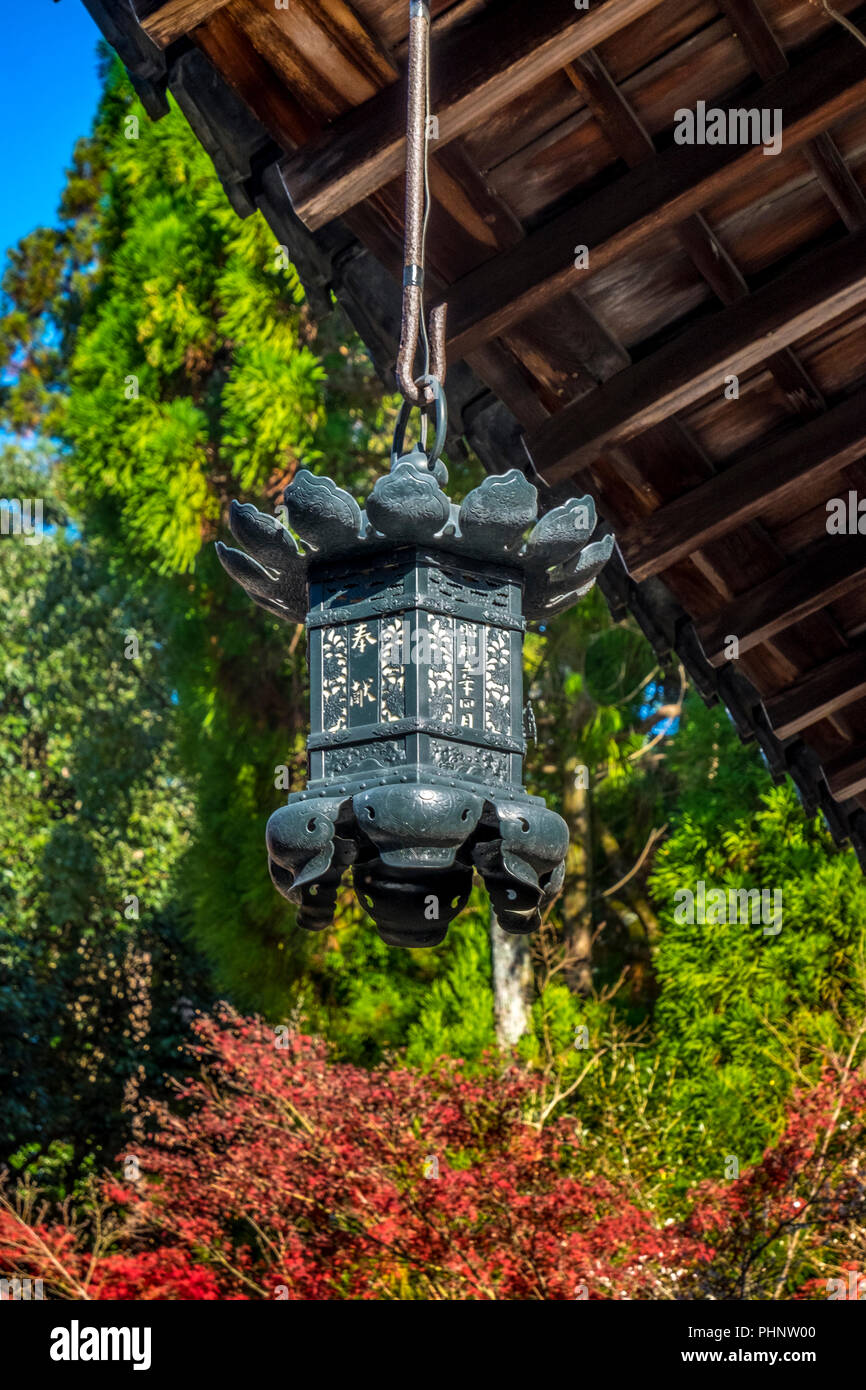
point(184, 370)
point(745, 1011)
point(94, 816)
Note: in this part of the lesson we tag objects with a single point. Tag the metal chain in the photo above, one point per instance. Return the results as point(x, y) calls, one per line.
point(421, 392)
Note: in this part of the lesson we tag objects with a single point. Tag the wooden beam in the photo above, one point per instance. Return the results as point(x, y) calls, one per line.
point(476, 69)
point(629, 138)
point(790, 596)
point(837, 181)
point(625, 132)
point(659, 193)
point(818, 289)
point(290, 64)
point(819, 694)
point(742, 492)
point(846, 773)
point(332, 25)
point(232, 52)
point(177, 18)
point(751, 27)
point(334, 47)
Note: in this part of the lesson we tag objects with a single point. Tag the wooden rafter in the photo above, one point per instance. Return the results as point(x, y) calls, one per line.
point(231, 50)
point(818, 695)
point(630, 139)
point(477, 68)
point(178, 17)
point(790, 596)
point(336, 46)
point(657, 194)
point(758, 481)
point(846, 773)
point(755, 33)
point(818, 289)
point(289, 61)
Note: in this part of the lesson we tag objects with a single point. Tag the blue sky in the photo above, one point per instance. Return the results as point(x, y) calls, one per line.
point(48, 94)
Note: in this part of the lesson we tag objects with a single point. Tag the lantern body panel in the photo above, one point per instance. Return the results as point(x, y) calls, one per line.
point(415, 666)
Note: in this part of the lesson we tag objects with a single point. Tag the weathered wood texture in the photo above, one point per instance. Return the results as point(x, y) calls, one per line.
point(812, 698)
point(812, 454)
point(178, 17)
point(499, 58)
point(657, 195)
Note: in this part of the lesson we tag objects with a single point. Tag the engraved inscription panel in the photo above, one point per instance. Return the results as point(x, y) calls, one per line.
point(363, 673)
point(469, 676)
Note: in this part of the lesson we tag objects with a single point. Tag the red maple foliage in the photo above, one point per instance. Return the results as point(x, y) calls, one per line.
point(279, 1173)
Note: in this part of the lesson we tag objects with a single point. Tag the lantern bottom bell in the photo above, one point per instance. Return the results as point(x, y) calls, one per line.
point(412, 847)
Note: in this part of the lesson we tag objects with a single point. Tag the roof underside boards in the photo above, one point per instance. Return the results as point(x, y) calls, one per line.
point(706, 262)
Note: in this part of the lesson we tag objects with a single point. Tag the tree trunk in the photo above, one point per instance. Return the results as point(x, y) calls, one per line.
point(637, 898)
point(577, 888)
point(512, 983)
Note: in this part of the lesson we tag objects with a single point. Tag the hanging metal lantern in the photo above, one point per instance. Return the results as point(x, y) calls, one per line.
point(415, 610)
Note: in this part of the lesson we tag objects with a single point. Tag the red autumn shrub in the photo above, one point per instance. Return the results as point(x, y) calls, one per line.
point(279, 1173)
point(800, 1209)
point(57, 1254)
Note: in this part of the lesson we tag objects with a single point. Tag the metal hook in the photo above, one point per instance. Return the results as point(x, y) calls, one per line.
point(439, 406)
point(406, 379)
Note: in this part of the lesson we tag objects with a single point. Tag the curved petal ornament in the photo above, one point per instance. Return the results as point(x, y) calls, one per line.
point(407, 505)
point(561, 534)
point(562, 587)
point(263, 536)
point(326, 518)
point(495, 515)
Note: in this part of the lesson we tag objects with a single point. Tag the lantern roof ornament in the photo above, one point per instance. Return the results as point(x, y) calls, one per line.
point(415, 608)
point(408, 507)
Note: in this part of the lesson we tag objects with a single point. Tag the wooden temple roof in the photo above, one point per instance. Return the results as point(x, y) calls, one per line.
point(704, 262)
